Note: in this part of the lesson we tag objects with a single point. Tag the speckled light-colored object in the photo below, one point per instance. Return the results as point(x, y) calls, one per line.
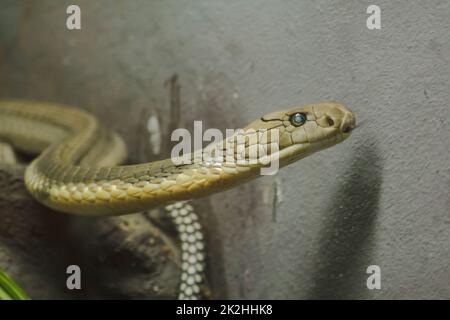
point(192, 249)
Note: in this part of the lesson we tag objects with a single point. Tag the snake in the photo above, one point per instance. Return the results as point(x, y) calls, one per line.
point(78, 168)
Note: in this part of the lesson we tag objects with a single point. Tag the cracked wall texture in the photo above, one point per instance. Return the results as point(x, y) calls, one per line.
point(381, 198)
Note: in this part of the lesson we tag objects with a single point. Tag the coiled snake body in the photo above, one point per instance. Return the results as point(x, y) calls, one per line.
point(77, 170)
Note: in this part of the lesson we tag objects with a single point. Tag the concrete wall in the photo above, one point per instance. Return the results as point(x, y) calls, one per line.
point(380, 198)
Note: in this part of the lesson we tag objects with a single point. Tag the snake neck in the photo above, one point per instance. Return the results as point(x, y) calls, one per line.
point(76, 171)
point(126, 189)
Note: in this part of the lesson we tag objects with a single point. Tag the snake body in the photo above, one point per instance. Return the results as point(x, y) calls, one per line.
point(77, 170)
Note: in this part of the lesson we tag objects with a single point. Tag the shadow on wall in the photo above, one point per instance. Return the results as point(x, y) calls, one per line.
point(348, 236)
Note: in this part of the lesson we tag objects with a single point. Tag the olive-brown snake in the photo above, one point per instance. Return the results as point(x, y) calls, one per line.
point(77, 170)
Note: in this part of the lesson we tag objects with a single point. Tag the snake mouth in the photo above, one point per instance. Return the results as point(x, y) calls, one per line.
point(345, 135)
point(298, 151)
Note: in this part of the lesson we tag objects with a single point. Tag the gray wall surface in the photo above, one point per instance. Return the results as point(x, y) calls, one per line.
point(380, 198)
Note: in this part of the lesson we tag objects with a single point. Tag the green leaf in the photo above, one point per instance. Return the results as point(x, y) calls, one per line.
point(9, 290)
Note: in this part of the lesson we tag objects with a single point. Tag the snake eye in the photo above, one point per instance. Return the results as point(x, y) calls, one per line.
point(297, 119)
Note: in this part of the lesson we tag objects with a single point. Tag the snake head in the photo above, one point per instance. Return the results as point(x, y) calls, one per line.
point(307, 129)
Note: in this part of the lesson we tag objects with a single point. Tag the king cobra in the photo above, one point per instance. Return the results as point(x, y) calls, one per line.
point(78, 172)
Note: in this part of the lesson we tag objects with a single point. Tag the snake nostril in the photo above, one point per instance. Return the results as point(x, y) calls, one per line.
point(346, 128)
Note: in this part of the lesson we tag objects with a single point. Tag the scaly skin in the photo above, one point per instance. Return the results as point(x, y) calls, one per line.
point(71, 176)
point(77, 170)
